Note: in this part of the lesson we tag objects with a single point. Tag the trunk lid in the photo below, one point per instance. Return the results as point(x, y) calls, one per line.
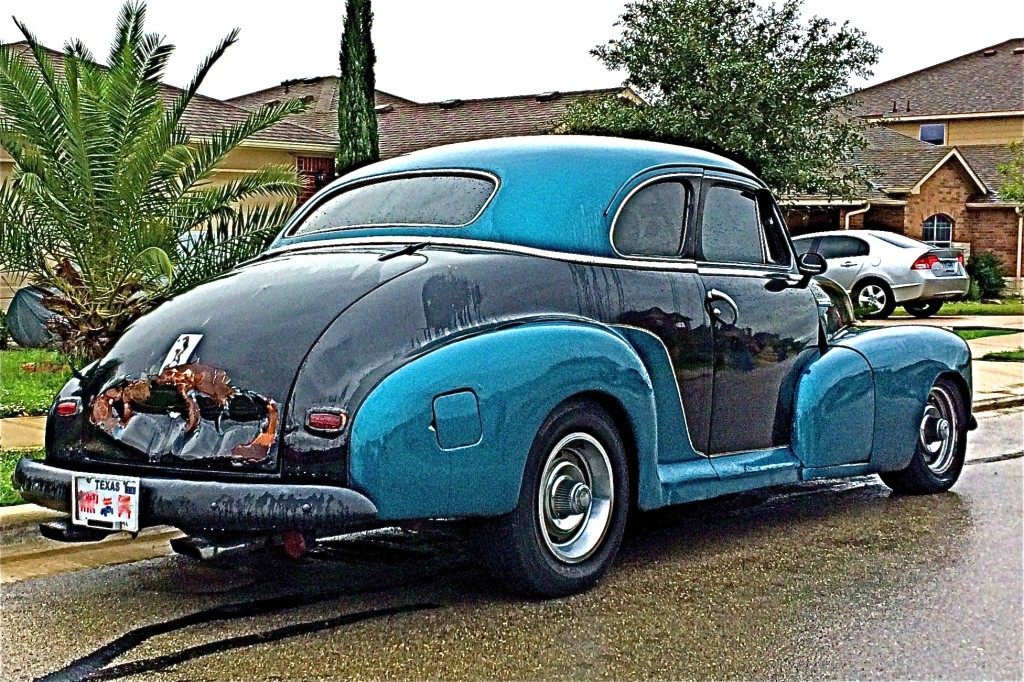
point(201, 382)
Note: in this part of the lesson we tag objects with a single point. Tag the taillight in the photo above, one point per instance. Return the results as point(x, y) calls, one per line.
point(925, 262)
point(960, 257)
point(68, 407)
point(328, 421)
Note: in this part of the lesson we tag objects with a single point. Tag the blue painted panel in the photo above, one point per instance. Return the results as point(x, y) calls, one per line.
point(906, 361)
point(519, 375)
point(835, 410)
point(457, 420)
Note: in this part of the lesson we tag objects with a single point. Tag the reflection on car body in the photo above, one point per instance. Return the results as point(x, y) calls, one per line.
point(540, 335)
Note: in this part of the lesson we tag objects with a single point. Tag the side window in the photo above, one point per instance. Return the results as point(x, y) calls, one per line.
point(730, 230)
point(651, 223)
point(842, 247)
point(802, 246)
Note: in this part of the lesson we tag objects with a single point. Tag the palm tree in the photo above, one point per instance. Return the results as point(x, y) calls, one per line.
point(111, 206)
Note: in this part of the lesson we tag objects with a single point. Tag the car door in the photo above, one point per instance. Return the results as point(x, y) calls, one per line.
point(665, 301)
point(846, 256)
point(764, 325)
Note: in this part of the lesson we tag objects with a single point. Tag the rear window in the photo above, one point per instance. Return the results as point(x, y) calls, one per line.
point(899, 240)
point(449, 200)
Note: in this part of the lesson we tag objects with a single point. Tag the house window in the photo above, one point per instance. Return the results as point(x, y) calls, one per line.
point(933, 133)
point(938, 230)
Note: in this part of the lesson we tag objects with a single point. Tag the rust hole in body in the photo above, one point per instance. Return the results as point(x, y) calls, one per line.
point(188, 385)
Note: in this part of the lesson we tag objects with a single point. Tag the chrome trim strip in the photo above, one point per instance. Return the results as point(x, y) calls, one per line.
point(646, 183)
point(675, 380)
point(332, 190)
point(458, 242)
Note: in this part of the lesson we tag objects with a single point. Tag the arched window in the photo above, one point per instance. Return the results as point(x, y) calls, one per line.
point(938, 230)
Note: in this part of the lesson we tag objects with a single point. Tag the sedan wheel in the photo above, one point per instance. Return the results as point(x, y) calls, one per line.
point(873, 300)
point(568, 524)
point(941, 444)
point(923, 308)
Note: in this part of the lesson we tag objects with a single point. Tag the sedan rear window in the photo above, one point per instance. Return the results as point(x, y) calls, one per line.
point(899, 240)
point(430, 200)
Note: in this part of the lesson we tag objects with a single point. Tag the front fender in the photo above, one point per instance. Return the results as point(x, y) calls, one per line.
point(448, 434)
point(905, 362)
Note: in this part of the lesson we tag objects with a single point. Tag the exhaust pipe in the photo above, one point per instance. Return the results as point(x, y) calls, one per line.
point(204, 549)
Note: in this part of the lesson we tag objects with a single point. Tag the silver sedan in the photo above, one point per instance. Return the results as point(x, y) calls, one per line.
point(882, 270)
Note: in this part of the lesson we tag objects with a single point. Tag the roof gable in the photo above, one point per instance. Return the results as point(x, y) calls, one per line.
point(987, 80)
point(954, 154)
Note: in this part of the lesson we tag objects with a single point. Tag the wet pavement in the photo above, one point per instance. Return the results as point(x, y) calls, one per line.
point(817, 580)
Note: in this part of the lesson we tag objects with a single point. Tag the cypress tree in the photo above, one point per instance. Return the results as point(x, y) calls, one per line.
point(359, 142)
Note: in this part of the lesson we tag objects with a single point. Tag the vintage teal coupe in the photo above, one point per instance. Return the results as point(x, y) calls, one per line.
point(539, 335)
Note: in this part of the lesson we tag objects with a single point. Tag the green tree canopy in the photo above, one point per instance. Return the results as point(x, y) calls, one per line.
point(112, 205)
point(1012, 173)
point(359, 141)
point(753, 82)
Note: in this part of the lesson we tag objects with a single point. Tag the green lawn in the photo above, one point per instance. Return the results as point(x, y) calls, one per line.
point(1009, 306)
point(1006, 356)
point(24, 392)
point(971, 334)
point(8, 460)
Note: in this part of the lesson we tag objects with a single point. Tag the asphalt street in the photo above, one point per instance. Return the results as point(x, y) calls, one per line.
point(830, 579)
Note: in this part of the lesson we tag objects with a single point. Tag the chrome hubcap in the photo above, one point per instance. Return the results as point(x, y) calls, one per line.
point(574, 507)
point(938, 432)
point(872, 297)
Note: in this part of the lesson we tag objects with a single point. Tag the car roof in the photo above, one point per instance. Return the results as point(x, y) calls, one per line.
point(556, 191)
point(844, 233)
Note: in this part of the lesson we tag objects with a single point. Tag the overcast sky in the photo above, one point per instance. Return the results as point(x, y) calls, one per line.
point(430, 50)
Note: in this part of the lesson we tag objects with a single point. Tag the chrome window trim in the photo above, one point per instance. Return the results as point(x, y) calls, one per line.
point(330, 192)
point(456, 242)
point(692, 195)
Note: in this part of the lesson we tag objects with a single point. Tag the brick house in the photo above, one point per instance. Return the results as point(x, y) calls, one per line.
point(936, 139)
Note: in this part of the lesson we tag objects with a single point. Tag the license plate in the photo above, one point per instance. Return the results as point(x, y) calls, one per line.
point(108, 502)
point(950, 267)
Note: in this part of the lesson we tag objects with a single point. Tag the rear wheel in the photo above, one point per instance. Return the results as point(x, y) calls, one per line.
point(941, 444)
point(873, 300)
point(569, 521)
point(923, 308)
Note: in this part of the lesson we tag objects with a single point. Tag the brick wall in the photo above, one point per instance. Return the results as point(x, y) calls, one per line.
point(995, 230)
point(947, 191)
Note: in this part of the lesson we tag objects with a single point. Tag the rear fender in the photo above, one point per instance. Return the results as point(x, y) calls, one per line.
point(448, 433)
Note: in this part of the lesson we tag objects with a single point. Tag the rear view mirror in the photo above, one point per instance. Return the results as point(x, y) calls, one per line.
point(811, 264)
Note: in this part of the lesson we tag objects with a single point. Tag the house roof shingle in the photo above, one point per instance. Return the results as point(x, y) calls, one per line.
point(206, 115)
point(408, 126)
point(987, 80)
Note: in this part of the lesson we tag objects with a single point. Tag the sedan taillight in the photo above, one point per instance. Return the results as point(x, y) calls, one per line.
point(925, 262)
point(960, 257)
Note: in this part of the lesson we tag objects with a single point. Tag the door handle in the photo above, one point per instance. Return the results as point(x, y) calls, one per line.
point(848, 264)
point(721, 307)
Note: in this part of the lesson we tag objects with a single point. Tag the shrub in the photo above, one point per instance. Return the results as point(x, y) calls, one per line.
point(986, 271)
point(5, 335)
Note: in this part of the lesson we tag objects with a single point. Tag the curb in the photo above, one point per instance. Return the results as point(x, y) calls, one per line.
point(990, 404)
point(19, 522)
